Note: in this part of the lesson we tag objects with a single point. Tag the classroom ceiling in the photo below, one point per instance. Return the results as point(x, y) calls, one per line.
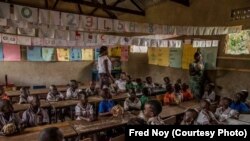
point(99, 8)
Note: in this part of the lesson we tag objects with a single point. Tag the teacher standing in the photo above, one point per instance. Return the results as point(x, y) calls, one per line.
point(104, 66)
point(196, 72)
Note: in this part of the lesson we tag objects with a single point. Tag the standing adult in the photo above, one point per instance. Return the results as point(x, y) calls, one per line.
point(104, 67)
point(196, 72)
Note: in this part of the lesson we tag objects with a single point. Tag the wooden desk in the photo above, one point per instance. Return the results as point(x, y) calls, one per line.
point(189, 104)
point(31, 134)
point(22, 107)
point(39, 91)
point(244, 117)
point(236, 122)
point(103, 123)
point(168, 111)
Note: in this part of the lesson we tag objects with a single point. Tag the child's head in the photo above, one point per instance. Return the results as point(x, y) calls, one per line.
point(169, 88)
point(132, 94)
point(73, 84)
point(205, 104)
point(105, 81)
point(51, 134)
point(83, 99)
point(190, 116)
point(149, 79)
point(152, 108)
point(123, 76)
point(92, 84)
point(34, 102)
point(137, 121)
point(177, 88)
point(225, 102)
point(138, 80)
point(105, 93)
point(24, 91)
point(104, 50)
point(145, 91)
point(6, 107)
point(178, 81)
point(244, 95)
point(210, 87)
point(184, 87)
point(237, 97)
point(166, 80)
point(1, 90)
point(53, 89)
point(197, 57)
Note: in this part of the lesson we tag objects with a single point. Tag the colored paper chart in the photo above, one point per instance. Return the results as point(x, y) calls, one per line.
point(48, 54)
point(209, 56)
point(34, 54)
point(11, 52)
point(97, 53)
point(124, 53)
point(152, 56)
point(115, 52)
point(62, 54)
point(87, 54)
point(175, 56)
point(75, 54)
point(163, 56)
point(188, 55)
point(1, 52)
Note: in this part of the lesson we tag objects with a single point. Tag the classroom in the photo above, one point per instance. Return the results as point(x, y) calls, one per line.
point(83, 70)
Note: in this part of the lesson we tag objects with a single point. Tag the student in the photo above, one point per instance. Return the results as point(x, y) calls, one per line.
point(151, 112)
point(166, 82)
point(145, 97)
point(72, 91)
point(84, 110)
point(169, 97)
point(244, 96)
point(209, 92)
point(189, 117)
point(238, 105)
point(106, 104)
point(186, 94)
point(130, 84)
point(92, 90)
point(54, 94)
point(178, 92)
point(3, 95)
point(35, 115)
point(139, 85)
point(132, 103)
point(206, 117)
point(121, 83)
point(51, 134)
point(178, 82)
point(137, 121)
point(224, 111)
point(8, 118)
point(25, 94)
point(149, 83)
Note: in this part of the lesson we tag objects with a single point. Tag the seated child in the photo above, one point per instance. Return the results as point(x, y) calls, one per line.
point(3, 95)
point(132, 103)
point(149, 83)
point(106, 104)
point(35, 115)
point(206, 117)
point(54, 94)
point(130, 84)
point(8, 118)
point(186, 94)
point(84, 110)
point(166, 82)
point(178, 82)
point(244, 96)
point(169, 97)
point(25, 94)
point(238, 105)
point(145, 97)
point(151, 113)
point(224, 111)
point(92, 90)
point(189, 117)
point(121, 83)
point(209, 92)
point(139, 85)
point(51, 134)
point(178, 92)
point(72, 91)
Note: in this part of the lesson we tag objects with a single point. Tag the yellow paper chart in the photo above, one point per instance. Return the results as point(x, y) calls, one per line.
point(152, 56)
point(163, 56)
point(188, 55)
point(115, 52)
point(62, 54)
point(87, 54)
